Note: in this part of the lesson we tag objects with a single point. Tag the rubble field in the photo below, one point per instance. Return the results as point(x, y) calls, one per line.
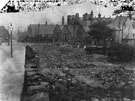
point(79, 74)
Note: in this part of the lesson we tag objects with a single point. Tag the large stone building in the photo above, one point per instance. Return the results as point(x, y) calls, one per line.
point(87, 20)
point(124, 27)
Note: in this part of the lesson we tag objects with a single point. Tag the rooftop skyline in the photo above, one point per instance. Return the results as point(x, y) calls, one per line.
point(22, 20)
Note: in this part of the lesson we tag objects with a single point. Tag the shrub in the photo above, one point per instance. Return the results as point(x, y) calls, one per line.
point(121, 53)
point(65, 50)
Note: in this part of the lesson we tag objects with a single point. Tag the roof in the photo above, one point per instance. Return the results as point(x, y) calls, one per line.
point(42, 29)
point(57, 29)
point(65, 29)
point(49, 29)
point(118, 22)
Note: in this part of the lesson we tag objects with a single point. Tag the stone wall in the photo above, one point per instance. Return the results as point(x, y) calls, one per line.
point(34, 87)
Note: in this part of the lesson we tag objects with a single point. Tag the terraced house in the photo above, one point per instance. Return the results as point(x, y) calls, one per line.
point(59, 33)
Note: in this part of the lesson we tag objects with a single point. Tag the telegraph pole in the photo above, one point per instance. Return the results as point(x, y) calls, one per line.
point(38, 34)
point(11, 45)
point(8, 38)
point(35, 34)
point(11, 29)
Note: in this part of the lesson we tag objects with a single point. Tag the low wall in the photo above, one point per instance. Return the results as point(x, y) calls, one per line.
point(33, 87)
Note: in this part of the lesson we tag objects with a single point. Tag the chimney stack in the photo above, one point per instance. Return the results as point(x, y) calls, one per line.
point(46, 22)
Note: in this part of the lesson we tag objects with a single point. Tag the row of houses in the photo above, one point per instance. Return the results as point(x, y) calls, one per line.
point(124, 27)
point(63, 32)
point(76, 29)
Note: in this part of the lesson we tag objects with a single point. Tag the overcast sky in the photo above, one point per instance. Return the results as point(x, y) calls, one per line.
point(52, 16)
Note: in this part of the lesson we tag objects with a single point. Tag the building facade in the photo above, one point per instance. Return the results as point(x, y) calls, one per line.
point(59, 33)
point(124, 27)
point(4, 34)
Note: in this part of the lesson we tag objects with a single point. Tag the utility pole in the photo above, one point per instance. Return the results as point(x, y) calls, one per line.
point(35, 34)
point(53, 40)
point(38, 34)
point(8, 38)
point(11, 30)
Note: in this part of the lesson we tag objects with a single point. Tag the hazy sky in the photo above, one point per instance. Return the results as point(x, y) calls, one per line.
point(52, 15)
point(2, 3)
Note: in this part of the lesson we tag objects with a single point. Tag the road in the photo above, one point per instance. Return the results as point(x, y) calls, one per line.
point(12, 72)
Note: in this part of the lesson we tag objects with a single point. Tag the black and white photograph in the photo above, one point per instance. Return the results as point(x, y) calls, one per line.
point(67, 50)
